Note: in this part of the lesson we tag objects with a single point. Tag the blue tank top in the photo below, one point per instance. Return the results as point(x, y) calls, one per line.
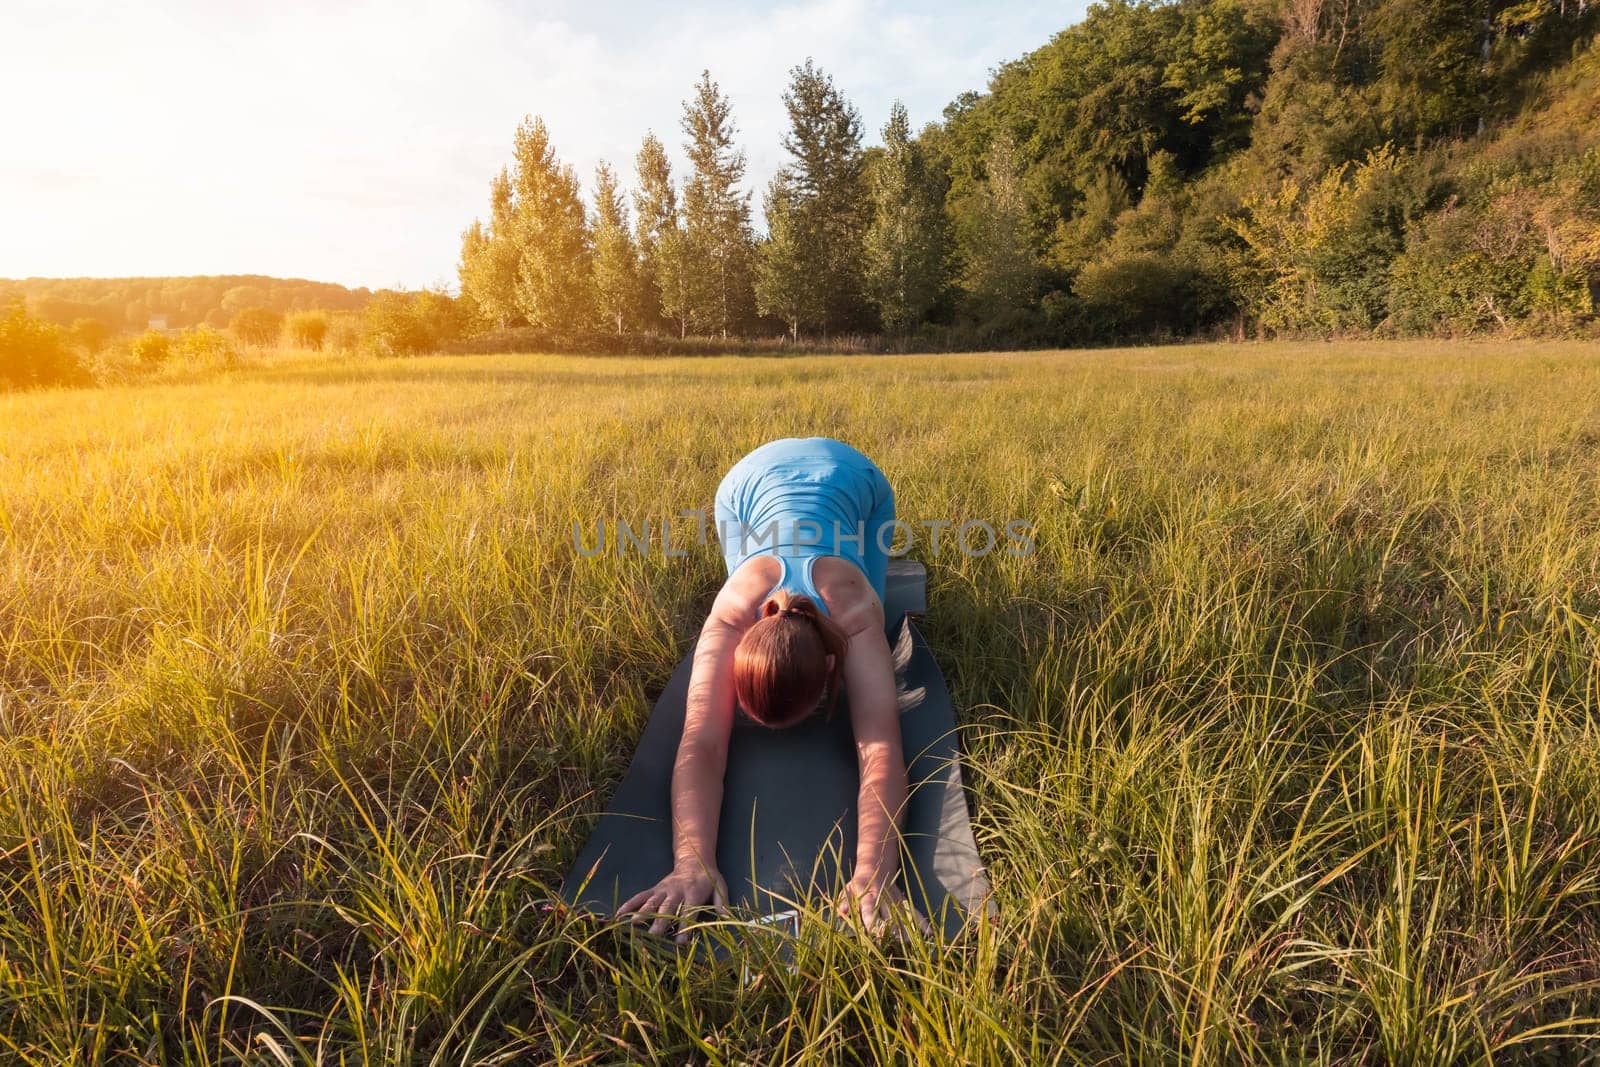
point(800, 499)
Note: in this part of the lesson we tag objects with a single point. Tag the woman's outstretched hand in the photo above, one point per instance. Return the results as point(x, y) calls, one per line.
point(878, 907)
point(676, 897)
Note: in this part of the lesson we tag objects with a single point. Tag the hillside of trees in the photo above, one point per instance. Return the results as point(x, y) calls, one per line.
point(130, 304)
point(1198, 167)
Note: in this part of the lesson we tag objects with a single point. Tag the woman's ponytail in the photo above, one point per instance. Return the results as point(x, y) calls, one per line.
point(791, 660)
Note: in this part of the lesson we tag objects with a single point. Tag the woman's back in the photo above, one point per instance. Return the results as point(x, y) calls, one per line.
point(800, 499)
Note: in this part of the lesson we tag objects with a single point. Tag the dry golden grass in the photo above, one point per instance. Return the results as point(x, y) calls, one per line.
point(1283, 743)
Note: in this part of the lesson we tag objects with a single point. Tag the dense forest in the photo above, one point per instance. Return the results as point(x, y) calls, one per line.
point(1199, 167)
point(132, 304)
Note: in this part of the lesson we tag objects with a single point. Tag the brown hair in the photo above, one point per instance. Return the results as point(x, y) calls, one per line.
point(781, 669)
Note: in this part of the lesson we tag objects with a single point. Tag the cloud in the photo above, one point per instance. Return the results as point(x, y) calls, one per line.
point(353, 141)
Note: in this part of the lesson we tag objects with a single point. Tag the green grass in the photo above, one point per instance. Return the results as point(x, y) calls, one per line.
point(1283, 743)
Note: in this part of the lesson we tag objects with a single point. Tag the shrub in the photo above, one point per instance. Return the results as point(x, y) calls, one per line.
point(152, 348)
point(90, 335)
point(34, 352)
point(256, 325)
point(344, 332)
point(307, 329)
point(205, 345)
point(391, 327)
point(1316, 256)
point(407, 324)
point(1140, 293)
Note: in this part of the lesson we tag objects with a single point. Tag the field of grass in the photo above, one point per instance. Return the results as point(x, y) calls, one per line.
point(1283, 743)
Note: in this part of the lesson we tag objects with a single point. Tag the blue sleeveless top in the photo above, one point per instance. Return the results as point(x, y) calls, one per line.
point(803, 498)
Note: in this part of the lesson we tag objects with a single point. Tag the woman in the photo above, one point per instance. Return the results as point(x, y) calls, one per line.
point(805, 526)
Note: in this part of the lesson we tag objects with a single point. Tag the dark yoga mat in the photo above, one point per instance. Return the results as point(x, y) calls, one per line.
point(789, 799)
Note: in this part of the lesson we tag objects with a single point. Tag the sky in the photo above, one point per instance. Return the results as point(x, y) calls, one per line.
point(353, 142)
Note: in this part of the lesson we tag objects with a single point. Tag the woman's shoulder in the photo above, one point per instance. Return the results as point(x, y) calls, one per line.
point(850, 599)
point(747, 587)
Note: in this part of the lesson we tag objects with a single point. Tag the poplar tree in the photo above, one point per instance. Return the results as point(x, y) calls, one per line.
point(787, 284)
point(616, 258)
point(1000, 269)
point(655, 212)
point(825, 175)
point(679, 278)
point(906, 240)
point(489, 255)
point(716, 216)
point(554, 287)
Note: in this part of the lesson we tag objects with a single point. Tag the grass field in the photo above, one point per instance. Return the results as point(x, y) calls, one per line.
point(1283, 743)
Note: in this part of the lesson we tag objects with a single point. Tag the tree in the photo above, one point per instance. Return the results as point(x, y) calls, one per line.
point(655, 211)
point(89, 334)
point(200, 345)
point(1079, 239)
point(236, 299)
point(788, 284)
point(554, 285)
point(407, 324)
point(1000, 271)
point(616, 259)
point(307, 329)
point(1432, 64)
point(905, 244)
point(33, 352)
point(716, 216)
point(824, 194)
point(679, 279)
point(1317, 256)
point(490, 256)
point(256, 325)
point(152, 348)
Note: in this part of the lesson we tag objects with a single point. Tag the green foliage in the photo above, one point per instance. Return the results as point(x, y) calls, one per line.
point(256, 326)
point(554, 284)
point(1137, 294)
point(655, 212)
point(824, 200)
point(907, 239)
point(617, 281)
point(789, 285)
point(1523, 251)
point(999, 269)
point(713, 277)
point(490, 256)
point(1463, 270)
point(307, 329)
point(34, 352)
point(1272, 166)
point(1316, 256)
point(679, 278)
point(1433, 68)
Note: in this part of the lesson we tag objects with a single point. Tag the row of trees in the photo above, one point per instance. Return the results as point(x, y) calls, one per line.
point(1257, 166)
point(119, 305)
point(849, 245)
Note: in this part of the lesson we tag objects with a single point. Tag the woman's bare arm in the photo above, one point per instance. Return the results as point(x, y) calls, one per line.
point(875, 719)
point(698, 774)
point(703, 752)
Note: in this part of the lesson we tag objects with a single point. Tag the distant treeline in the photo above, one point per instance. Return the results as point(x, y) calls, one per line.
point(132, 304)
point(1217, 167)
